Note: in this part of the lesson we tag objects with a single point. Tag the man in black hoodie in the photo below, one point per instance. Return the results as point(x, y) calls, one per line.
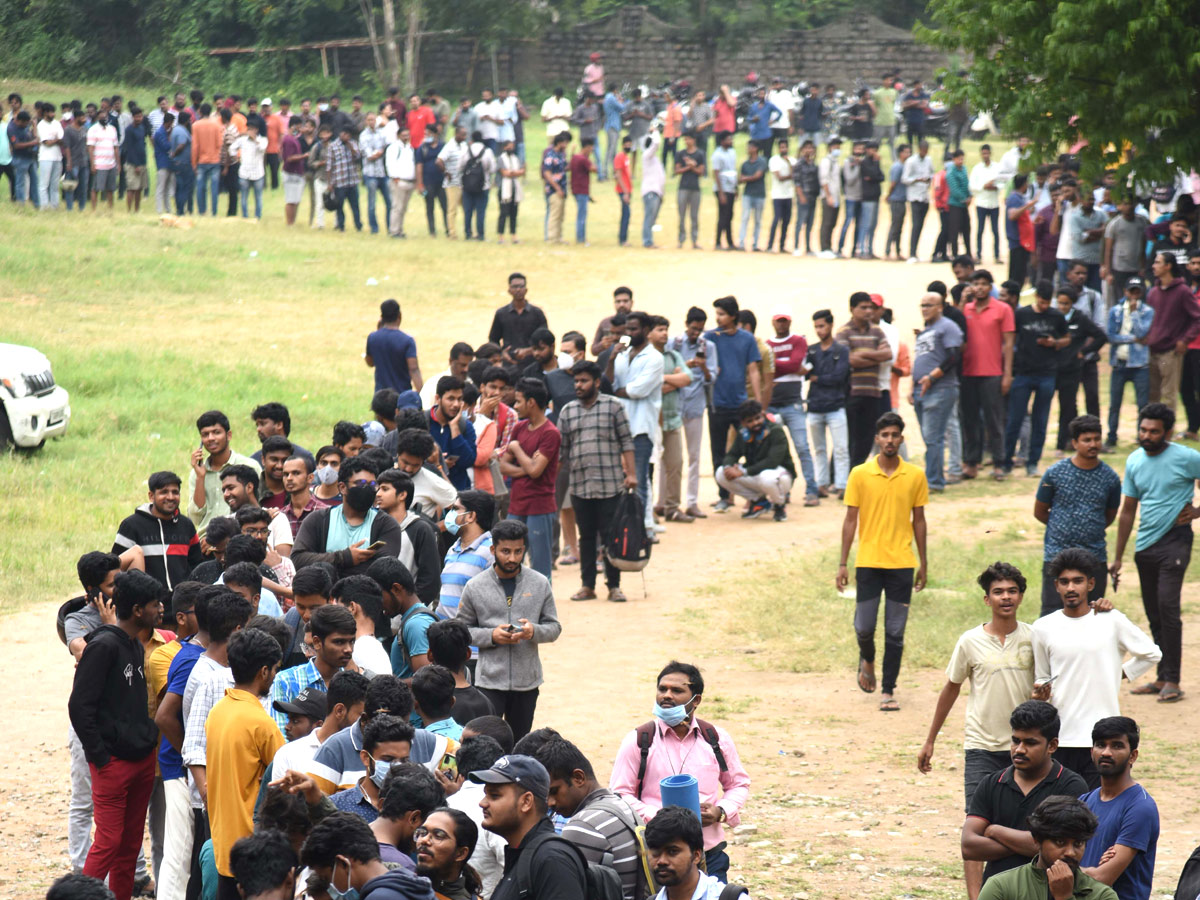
point(109, 712)
point(344, 852)
point(168, 540)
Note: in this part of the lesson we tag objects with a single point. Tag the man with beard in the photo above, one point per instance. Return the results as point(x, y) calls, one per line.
point(348, 536)
point(675, 845)
point(995, 830)
point(297, 481)
point(1082, 648)
point(239, 489)
point(1161, 476)
point(333, 630)
point(444, 844)
point(167, 539)
point(1122, 851)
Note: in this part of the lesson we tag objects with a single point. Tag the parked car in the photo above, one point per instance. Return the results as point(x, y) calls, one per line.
point(32, 406)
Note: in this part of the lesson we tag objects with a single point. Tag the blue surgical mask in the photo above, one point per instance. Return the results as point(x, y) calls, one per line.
point(382, 767)
point(451, 521)
point(351, 892)
point(671, 715)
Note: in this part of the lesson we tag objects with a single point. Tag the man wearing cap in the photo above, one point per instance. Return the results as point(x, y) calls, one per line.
point(593, 75)
point(538, 864)
point(787, 403)
point(1128, 324)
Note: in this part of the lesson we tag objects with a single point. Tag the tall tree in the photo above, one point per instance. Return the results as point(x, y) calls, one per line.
point(1113, 73)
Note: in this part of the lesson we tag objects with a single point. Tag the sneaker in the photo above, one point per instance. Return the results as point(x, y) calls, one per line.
point(757, 508)
point(780, 514)
point(826, 254)
point(1032, 471)
point(912, 260)
point(657, 529)
point(722, 506)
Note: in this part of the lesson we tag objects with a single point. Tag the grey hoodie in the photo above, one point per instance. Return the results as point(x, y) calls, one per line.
point(485, 604)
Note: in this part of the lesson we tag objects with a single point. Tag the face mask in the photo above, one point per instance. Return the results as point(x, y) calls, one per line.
point(326, 475)
point(382, 767)
point(835, 152)
point(451, 521)
point(671, 715)
point(351, 892)
point(361, 497)
point(322, 107)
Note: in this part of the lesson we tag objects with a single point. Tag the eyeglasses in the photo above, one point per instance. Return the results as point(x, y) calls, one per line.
point(364, 484)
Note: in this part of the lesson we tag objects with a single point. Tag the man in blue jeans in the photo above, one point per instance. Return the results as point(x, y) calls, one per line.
point(614, 112)
point(636, 373)
point(787, 404)
point(736, 363)
point(1041, 332)
point(531, 461)
point(1128, 324)
point(935, 368)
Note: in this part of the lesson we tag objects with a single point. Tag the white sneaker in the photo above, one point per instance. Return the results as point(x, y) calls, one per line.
point(827, 254)
point(912, 260)
point(658, 529)
point(797, 253)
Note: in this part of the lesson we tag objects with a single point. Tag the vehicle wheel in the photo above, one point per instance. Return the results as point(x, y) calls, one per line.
point(6, 440)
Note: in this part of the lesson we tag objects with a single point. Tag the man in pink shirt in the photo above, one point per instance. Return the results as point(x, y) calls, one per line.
point(675, 742)
point(593, 75)
point(725, 113)
point(987, 373)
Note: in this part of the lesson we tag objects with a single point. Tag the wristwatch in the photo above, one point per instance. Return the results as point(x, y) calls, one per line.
point(721, 814)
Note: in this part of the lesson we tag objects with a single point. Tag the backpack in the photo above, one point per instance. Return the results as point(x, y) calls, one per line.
point(626, 545)
point(473, 176)
point(1189, 879)
point(645, 885)
point(421, 610)
point(602, 882)
point(733, 892)
point(74, 605)
point(645, 737)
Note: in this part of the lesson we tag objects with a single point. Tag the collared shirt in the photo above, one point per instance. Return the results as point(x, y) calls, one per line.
point(614, 109)
point(214, 500)
point(555, 164)
point(724, 167)
point(399, 161)
point(654, 176)
point(251, 154)
point(450, 154)
point(672, 401)
point(289, 683)
point(295, 755)
point(692, 398)
point(708, 887)
point(461, 565)
point(513, 328)
point(557, 113)
point(353, 800)
point(295, 520)
point(370, 142)
point(692, 755)
point(641, 376)
point(863, 382)
point(341, 170)
point(593, 439)
point(885, 504)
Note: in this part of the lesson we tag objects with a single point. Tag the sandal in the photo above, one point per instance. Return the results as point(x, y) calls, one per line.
point(889, 705)
point(864, 677)
point(1147, 689)
point(1170, 695)
point(568, 559)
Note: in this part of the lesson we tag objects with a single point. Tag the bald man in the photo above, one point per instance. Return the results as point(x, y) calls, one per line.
point(935, 384)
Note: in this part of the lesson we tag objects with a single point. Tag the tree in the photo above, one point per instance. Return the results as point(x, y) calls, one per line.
point(1115, 73)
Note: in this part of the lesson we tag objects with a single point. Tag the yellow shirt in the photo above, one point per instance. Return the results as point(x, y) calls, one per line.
point(158, 664)
point(885, 504)
point(242, 742)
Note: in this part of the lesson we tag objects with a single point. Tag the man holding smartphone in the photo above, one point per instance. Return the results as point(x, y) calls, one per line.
point(700, 355)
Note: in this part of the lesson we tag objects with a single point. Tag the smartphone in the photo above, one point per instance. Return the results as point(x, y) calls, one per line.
point(378, 545)
point(449, 766)
point(513, 629)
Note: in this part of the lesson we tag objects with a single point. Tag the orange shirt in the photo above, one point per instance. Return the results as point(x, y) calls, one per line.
point(206, 142)
point(276, 128)
point(239, 122)
point(673, 126)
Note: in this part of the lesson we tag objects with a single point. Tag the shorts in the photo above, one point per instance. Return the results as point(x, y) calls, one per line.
point(293, 187)
point(135, 178)
point(104, 180)
point(978, 765)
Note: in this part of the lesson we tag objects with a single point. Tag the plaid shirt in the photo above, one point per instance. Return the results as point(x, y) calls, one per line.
point(370, 141)
point(341, 169)
point(289, 683)
point(593, 439)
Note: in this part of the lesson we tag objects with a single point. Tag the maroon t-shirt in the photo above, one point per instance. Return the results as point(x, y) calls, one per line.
point(580, 174)
point(535, 496)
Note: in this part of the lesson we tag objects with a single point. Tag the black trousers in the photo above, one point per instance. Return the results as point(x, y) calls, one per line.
point(668, 149)
point(273, 168)
point(514, 707)
point(592, 518)
point(982, 217)
point(942, 244)
point(1018, 264)
point(895, 587)
point(861, 414)
point(919, 211)
point(7, 169)
point(227, 888)
point(1091, 387)
point(508, 215)
point(201, 835)
point(1189, 388)
point(725, 219)
point(233, 189)
point(432, 196)
point(720, 419)
point(781, 214)
point(1161, 568)
point(982, 406)
point(960, 227)
point(1067, 384)
point(897, 208)
point(829, 215)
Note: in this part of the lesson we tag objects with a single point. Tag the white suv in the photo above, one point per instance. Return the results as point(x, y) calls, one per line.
point(32, 406)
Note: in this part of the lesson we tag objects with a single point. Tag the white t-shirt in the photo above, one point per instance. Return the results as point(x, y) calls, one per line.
point(1001, 677)
point(280, 533)
point(252, 153)
point(557, 112)
point(885, 368)
point(295, 755)
point(1066, 247)
point(780, 168)
point(370, 655)
point(49, 131)
point(488, 858)
point(489, 130)
point(102, 141)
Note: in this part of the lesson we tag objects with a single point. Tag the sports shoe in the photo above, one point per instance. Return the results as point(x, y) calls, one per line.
point(721, 506)
point(827, 254)
point(912, 260)
point(757, 508)
point(780, 514)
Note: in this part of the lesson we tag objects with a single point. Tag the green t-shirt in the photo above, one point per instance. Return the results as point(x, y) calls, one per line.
point(885, 105)
point(1029, 883)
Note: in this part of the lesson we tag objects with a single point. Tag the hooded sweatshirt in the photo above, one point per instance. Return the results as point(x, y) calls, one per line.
point(398, 884)
point(311, 540)
point(108, 700)
point(171, 546)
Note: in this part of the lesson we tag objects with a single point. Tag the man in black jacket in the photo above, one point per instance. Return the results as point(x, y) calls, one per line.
point(168, 540)
point(343, 535)
point(538, 865)
point(109, 712)
point(872, 182)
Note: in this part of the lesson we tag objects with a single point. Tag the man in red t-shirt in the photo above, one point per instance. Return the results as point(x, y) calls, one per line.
point(987, 373)
point(531, 460)
point(418, 119)
point(624, 185)
point(786, 393)
point(580, 169)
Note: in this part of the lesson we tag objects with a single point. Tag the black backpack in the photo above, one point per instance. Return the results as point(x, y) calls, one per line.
point(645, 737)
point(1189, 879)
point(473, 176)
point(603, 883)
point(626, 545)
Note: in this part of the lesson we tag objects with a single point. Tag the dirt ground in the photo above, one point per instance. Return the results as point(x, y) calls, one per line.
point(838, 806)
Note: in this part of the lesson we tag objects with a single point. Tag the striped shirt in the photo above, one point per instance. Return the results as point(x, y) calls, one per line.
point(604, 828)
point(863, 382)
point(289, 683)
point(461, 565)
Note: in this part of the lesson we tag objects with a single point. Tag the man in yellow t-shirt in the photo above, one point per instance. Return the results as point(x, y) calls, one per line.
point(242, 742)
point(885, 504)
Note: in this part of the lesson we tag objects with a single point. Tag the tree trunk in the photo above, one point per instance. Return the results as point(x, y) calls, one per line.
point(708, 45)
point(411, 45)
point(390, 51)
point(471, 65)
point(495, 69)
point(368, 12)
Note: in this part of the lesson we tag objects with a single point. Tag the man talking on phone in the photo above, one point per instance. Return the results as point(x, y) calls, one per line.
point(349, 536)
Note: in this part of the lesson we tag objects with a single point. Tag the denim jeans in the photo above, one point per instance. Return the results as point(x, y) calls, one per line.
point(1041, 388)
point(378, 183)
point(185, 185)
point(82, 175)
point(49, 175)
point(840, 433)
point(751, 206)
point(689, 210)
point(853, 214)
point(895, 587)
point(643, 449)
point(25, 169)
point(1121, 376)
point(541, 532)
point(793, 418)
point(933, 408)
point(208, 187)
point(244, 187)
point(623, 229)
point(806, 214)
point(954, 442)
point(474, 204)
point(344, 195)
point(612, 137)
point(581, 211)
point(864, 238)
point(650, 205)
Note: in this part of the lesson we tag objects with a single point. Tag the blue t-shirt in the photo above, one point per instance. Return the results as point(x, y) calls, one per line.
point(414, 637)
point(932, 349)
point(899, 193)
point(170, 763)
point(181, 137)
point(1130, 819)
point(1014, 201)
point(734, 352)
point(391, 349)
point(1079, 500)
point(1163, 485)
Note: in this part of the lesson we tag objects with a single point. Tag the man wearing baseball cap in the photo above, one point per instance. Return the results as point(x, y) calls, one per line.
point(304, 712)
point(593, 75)
point(1128, 324)
point(514, 807)
point(786, 401)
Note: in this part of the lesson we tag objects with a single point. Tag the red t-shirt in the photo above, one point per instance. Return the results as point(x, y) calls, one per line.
point(580, 174)
point(724, 114)
point(418, 120)
point(621, 168)
point(984, 352)
point(535, 496)
point(789, 354)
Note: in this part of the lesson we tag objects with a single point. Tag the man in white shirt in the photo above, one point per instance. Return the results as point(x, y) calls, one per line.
point(782, 190)
point(1010, 162)
point(50, 158)
point(489, 116)
point(402, 178)
point(362, 596)
point(251, 152)
point(829, 175)
point(785, 101)
point(1079, 659)
point(372, 144)
point(475, 199)
point(448, 161)
point(636, 374)
point(918, 175)
point(556, 113)
point(987, 183)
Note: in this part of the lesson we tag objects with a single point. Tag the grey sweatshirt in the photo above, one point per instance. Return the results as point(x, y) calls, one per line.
point(484, 605)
